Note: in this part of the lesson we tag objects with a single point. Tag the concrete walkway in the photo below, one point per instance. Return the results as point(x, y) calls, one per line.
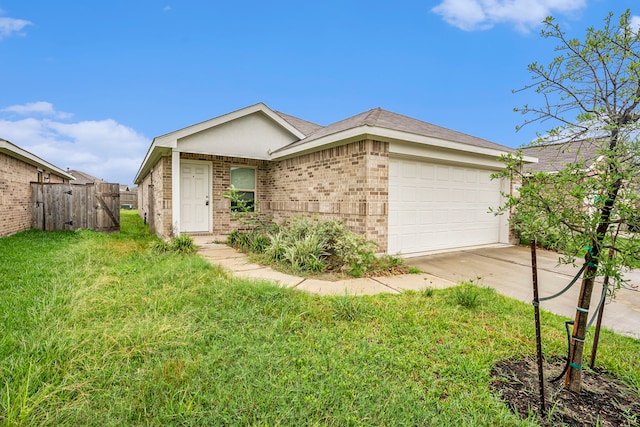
point(239, 264)
point(507, 269)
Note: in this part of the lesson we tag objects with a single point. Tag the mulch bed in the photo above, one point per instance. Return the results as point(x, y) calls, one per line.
point(603, 401)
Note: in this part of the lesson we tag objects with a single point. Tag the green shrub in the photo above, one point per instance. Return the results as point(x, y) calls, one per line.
point(259, 242)
point(302, 244)
point(182, 244)
point(306, 253)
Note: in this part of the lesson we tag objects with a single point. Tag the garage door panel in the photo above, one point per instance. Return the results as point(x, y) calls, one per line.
point(436, 206)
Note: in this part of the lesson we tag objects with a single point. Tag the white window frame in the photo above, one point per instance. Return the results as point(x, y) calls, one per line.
point(246, 190)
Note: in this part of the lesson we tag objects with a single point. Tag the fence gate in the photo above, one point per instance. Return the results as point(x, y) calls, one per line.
point(70, 207)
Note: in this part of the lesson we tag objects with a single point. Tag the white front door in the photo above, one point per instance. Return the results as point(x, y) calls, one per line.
point(195, 206)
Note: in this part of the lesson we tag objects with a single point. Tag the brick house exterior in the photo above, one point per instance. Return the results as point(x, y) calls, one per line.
point(341, 171)
point(18, 168)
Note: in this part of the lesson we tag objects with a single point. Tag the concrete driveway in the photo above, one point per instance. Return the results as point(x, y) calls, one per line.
point(507, 269)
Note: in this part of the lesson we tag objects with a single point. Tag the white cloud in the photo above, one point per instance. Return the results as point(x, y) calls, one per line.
point(635, 23)
point(470, 15)
point(11, 26)
point(40, 107)
point(167, 8)
point(102, 148)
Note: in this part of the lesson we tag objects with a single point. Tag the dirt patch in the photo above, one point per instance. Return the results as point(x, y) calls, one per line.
point(603, 401)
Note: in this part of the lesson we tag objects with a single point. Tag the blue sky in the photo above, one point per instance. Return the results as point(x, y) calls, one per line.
point(87, 85)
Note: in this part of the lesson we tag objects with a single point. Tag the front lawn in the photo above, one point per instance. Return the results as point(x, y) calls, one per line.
point(100, 330)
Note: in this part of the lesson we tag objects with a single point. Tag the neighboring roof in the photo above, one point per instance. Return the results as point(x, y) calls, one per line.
point(386, 119)
point(83, 178)
point(14, 151)
point(124, 188)
point(555, 157)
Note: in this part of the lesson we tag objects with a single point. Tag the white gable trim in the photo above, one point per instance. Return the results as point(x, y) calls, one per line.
point(164, 144)
point(171, 139)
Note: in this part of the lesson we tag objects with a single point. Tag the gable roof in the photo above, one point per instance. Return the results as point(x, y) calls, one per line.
point(83, 177)
point(16, 152)
point(304, 126)
point(379, 118)
point(307, 136)
point(162, 145)
point(555, 157)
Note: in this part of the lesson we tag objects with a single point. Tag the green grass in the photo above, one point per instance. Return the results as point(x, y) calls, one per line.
point(100, 330)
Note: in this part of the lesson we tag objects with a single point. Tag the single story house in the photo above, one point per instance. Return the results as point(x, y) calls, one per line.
point(411, 186)
point(83, 178)
point(18, 168)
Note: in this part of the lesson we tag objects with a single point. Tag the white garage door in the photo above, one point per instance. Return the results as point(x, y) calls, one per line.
point(438, 206)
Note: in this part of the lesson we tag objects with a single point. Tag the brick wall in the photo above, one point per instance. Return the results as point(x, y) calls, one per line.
point(221, 180)
point(15, 193)
point(348, 182)
point(154, 198)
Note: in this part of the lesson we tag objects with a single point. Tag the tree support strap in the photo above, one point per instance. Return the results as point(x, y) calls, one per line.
point(575, 279)
point(576, 338)
point(579, 339)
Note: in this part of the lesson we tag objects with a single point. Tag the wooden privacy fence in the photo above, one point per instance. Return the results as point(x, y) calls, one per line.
point(69, 207)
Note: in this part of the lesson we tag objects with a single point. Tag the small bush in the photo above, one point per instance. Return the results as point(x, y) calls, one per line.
point(303, 245)
point(182, 244)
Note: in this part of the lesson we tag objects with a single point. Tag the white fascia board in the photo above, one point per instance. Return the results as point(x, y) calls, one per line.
point(27, 157)
point(389, 135)
point(152, 157)
point(403, 149)
point(170, 138)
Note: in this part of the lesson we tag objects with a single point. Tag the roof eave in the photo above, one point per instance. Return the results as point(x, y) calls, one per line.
point(27, 157)
point(153, 155)
point(385, 134)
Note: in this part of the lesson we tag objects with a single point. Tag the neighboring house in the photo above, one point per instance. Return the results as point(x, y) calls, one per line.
point(555, 157)
point(82, 178)
point(409, 185)
point(18, 168)
point(128, 197)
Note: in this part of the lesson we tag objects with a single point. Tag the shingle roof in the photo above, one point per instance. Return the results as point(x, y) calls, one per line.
point(303, 126)
point(388, 120)
point(555, 157)
point(83, 178)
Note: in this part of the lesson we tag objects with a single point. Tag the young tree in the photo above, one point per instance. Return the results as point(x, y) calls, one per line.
point(591, 92)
